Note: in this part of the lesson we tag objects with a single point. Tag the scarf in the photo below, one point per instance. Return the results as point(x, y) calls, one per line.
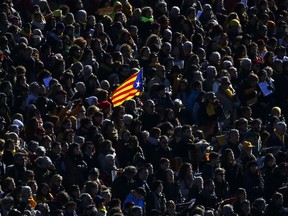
point(145, 19)
point(230, 92)
point(279, 136)
point(210, 109)
point(32, 202)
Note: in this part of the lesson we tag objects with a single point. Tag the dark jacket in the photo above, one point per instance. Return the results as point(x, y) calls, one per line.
point(274, 140)
point(121, 188)
point(222, 190)
point(254, 185)
point(207, 199)
point(272, 210)
point(155, 201)
point(75, 169)
point(234, 176)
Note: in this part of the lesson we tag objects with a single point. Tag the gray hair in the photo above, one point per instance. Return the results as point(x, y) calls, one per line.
point(280, 126)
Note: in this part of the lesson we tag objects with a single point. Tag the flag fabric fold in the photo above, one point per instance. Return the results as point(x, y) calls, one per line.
point(132, 87)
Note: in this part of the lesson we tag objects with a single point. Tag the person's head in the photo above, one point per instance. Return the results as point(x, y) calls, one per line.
point(164, 163)
point(86, 199)
point(245, 206)
point(14, 212)
point(171, 207)
point(187, 48)
point(56, 180)
point(94, 174)
point(26, 193)
point(74, 191)
point(242, 125)
point(140, 193)
point(234, 136)
point(186, 170)
point(283, 168)
point(280, 128)
point(8, 184)
point(28, 175)
point(56, 148)
point(161, 71)
point(241, 194)
point(135, 211)
point(259, 204)
point(91, 187)
point(246, 112)
point(228, 156)
point(246, 64)
point(214, 158)
point(133, 142)
point(210, 97)
point(225, 83)
point(147, 12)
point(155, 132)
point(170, 175)
point(209, 186)
point(219, 174)
point(256, 125)
point(269, 160)
point(157, 186)
point(20, 159)
point(276, 111)
point(143, 173)
point(43, 189)
point(74, 150)
point(187, 131)
point(247, 147)
point(175, 12)
point(198, 182)
point(130, 172)
point(215, 58)
point(33, 185)
point(7, 202)
point(227, 210)
point(207, 10)
point(149, 106)
point(88, 147)
point(252, 167)
point(277, 199)
point(252, 80)
point(164, 141)
point(149, 167)
point(70, 207)
point(211, 71)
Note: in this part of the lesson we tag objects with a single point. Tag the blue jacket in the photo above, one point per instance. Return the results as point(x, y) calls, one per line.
point(132, 198)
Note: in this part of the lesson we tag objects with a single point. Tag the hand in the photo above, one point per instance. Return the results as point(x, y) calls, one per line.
point(52, 167)
point(270, 88)
point(70, 104)
point(77, 101)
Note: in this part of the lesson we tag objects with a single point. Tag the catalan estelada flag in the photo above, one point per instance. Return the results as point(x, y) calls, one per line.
point(132, 87)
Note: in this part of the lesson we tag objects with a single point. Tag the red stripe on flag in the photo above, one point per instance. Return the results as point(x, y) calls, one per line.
point(123, 99)
point(126, 83)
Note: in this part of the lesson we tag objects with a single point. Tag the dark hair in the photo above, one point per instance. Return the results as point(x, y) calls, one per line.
point(155, 184)
point(183, 169)
point(213, 155)
point(141, 190)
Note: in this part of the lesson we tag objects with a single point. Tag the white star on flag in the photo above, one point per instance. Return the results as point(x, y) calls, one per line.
point(137, 84)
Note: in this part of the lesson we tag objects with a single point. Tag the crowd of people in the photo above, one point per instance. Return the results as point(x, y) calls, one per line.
point(207, 136)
